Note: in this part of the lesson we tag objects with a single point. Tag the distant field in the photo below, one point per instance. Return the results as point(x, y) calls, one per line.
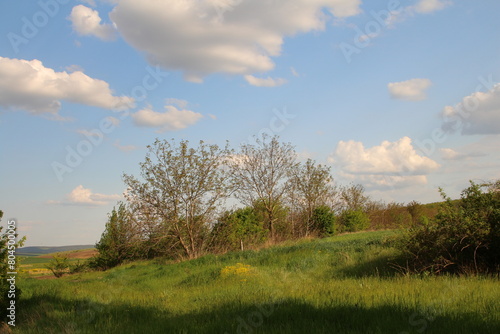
point(341, 284)
point(36, 265)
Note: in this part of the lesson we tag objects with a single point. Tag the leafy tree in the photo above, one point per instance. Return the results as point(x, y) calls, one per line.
point(463, 237)
point(262, 172)
point(182, 189)
point(119, 241)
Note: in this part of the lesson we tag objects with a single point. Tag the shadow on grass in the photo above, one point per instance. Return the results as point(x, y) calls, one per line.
point(48, 314)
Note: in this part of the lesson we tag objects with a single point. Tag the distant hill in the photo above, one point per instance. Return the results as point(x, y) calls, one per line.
point(41, 250)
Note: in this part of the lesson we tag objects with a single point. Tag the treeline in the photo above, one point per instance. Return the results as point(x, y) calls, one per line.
point(176, 208)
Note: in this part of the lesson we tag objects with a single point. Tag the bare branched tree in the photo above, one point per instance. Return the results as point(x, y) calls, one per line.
point(262, 174)
point(312, 186)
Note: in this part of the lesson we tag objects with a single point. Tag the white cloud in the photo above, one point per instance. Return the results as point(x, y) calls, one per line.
point(264, 82)
point(478, 113)
point(177, 102)
point(28, 85)
point(85, 197)
point(430, 6)
point(411, 90)
point(170, 120)
point(389, 164)
point(86, 22)
point(236, 37)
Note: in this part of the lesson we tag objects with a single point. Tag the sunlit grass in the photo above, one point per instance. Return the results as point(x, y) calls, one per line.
point(336, 285)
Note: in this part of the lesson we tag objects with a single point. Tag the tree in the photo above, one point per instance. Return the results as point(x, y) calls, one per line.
point(119, 241)
point(261, 173)
point(183, 189)
point(353, 197)
point(312, 187)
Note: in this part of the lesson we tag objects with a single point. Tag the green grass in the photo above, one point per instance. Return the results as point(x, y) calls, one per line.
point(336, 285)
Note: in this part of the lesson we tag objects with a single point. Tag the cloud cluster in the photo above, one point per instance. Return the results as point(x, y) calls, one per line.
point(30, 86)
point(478, 113)
point(171, 119)
point(411, 90)
point(200, 37)
point(389, 164)
point(87, 22)
point(85, 197)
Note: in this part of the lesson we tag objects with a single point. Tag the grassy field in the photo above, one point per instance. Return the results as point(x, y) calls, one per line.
point(36, 265)
point(336, 285)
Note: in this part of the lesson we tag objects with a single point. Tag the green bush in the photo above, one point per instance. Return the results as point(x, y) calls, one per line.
point(464, 236)
point(354, 220)
point(323, 219)
point(239, 229)
point(59, 265)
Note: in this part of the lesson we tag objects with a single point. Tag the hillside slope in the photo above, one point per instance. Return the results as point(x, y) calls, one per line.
point(336, 285)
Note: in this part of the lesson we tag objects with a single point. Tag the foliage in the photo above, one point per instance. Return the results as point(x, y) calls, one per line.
point(182, 189)
point(463, 237)
point(118, 242)
point(239, 229)
point(323, 220)
point(59, 265)
point(354, 220)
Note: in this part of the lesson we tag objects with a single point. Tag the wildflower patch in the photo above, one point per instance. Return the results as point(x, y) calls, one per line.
point(238, 270)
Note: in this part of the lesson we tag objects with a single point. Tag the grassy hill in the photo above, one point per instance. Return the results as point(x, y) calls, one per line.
point(341, 284)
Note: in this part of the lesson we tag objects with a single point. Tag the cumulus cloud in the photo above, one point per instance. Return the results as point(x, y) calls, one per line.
point(411, 90)
point(391, 163)
point(30, 86)
point(213, 36)
point(87, 22)
point(85, 197)
point(478, 113)
point(171, 119)
point(264, 82)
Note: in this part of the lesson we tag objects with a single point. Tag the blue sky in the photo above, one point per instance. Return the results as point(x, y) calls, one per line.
point(400, 96)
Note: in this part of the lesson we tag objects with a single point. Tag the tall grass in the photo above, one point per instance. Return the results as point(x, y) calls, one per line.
point(336, 285)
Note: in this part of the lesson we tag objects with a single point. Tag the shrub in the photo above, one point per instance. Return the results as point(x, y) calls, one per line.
point(354, 220)
point(323, 219)
point(463, 237)
point(59, 265)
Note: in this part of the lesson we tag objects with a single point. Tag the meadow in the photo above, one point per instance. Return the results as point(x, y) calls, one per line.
point(342, 284)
